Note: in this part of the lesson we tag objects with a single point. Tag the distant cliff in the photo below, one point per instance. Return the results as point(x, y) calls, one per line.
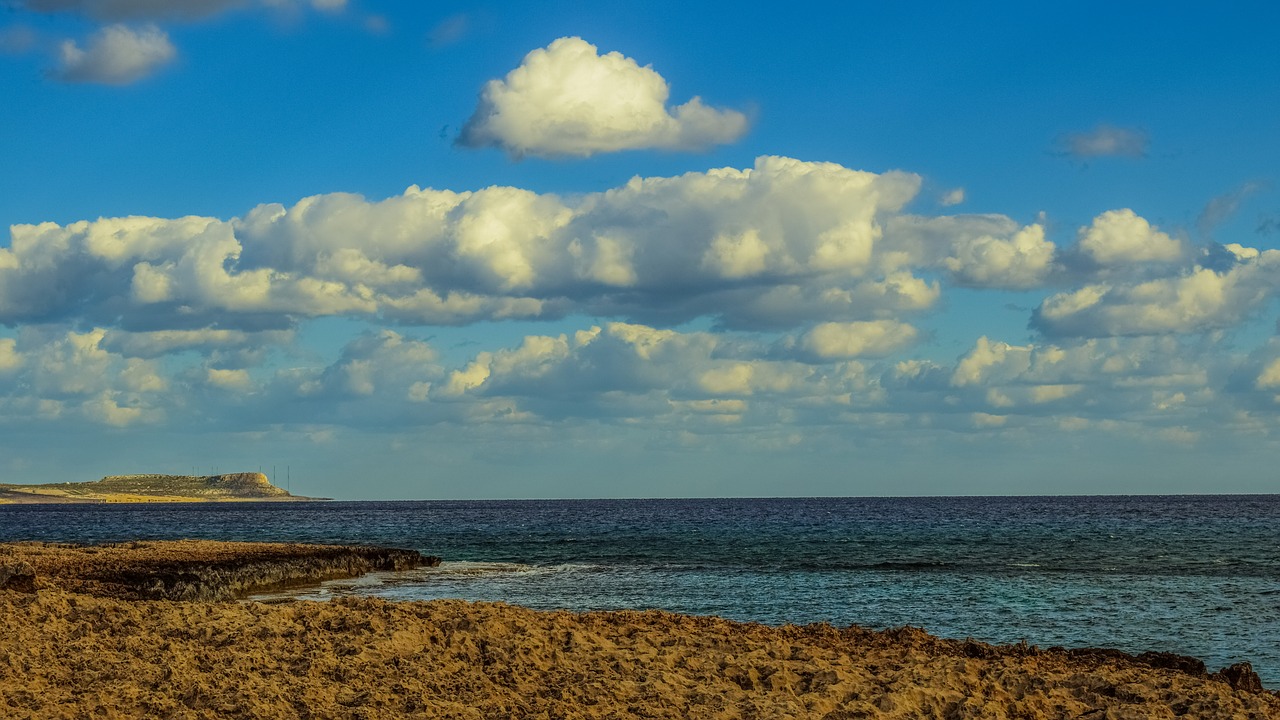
point(230, 487)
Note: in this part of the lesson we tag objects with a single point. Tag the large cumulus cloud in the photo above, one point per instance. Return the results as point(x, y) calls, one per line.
point(783, 244)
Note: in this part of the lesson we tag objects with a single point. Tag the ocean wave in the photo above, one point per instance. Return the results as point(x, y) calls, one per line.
point(469, 567)
point(472, 568)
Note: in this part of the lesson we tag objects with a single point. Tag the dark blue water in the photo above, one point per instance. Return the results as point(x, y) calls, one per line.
point(1198, 575)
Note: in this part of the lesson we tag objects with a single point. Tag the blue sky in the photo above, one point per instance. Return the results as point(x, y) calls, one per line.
point(411, 250)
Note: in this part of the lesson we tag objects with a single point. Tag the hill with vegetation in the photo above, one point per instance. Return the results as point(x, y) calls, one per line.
point(230, 487)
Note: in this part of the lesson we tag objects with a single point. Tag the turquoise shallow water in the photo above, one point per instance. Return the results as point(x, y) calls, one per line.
point(1198, 575)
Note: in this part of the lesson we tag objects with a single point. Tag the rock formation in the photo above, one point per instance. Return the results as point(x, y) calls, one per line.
point(198, 570)
point(18, 576)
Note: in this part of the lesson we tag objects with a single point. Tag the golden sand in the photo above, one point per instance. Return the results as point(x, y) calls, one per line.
point(75, 654)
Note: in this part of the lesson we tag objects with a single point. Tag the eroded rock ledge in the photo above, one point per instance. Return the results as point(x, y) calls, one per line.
point(201, 570)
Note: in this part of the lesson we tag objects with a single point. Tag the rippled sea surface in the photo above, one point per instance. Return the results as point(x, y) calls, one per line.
point(1198, 575)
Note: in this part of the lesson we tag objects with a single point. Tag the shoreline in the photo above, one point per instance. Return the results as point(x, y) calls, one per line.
point(146, 629)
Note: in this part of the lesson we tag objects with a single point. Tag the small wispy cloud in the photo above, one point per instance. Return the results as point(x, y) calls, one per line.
point(136, 10)
point(1221, 208)
point(952, 197)
point(115, 55)
point(17, 40)
point(169, 10)
point(1105, 141)
point(377, 24)
point(130, 44)
point(330, 6)
point(449, 31)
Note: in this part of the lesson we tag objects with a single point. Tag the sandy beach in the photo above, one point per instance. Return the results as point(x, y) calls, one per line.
point(80, 638)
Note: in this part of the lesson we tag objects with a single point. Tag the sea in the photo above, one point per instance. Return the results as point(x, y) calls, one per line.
point(1197, 575)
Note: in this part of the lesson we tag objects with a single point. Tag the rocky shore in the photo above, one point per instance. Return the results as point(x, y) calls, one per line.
point(196, 570)
point(96, 632)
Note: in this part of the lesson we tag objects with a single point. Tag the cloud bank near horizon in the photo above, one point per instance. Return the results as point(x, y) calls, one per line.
point(815, 282)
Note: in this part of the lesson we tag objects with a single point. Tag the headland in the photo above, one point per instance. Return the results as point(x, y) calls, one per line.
point(151, 488)
point(147, 629)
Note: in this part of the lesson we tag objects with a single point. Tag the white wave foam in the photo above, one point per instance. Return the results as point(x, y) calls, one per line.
point(448, 571)
point(476, 568)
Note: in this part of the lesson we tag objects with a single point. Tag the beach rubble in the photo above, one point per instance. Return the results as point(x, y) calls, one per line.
point(101, 637)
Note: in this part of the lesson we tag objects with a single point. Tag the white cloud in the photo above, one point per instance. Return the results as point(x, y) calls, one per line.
point(168, 10)
point(632, 375)
point(449, 31)
point(117, 10)
point(987, 420)
point(10, 359)
point(377, 24)
point(1196, 300)
point(157, 343)
point(236, 380)
point(107, 410)
point(844, 341)
point(974, 367)
point(705, 383)
point(987, 251)
point(17, 39)
point(115, 55)
point(1121, 236)
point(49, 375)
point(1269, 378)
point(1222, 207)
point(636, 372)
point(1105, 141)
point(568, 100)
point(380, 362)
point(783, 244)
point(952, 197)
point(1153, 382)
point(1020, 261)
point(73, 365)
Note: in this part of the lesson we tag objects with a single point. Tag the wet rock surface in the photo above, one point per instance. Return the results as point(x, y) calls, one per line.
point(1241, 677)
point(198, 570)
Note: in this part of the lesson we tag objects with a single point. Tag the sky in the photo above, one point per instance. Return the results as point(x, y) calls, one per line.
point(385, 250)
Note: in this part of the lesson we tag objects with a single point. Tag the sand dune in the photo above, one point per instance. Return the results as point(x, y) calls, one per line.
point(69, 654)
